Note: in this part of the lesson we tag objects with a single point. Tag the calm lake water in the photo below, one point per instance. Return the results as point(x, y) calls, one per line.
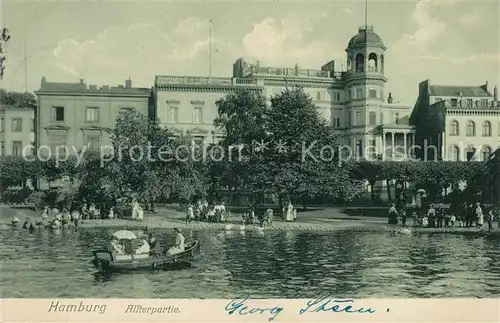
point(262, 265)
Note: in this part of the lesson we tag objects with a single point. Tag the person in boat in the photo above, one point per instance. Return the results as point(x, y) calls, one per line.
point(144, 248)
point(26, 224)
point(32, 228)
point(393, 215)
point(14, 221)
point(178, 245)
point(154, 246)
point(115, 247)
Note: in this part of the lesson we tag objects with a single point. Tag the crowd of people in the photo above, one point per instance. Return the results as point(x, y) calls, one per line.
point(429, 215)
point(217, 213)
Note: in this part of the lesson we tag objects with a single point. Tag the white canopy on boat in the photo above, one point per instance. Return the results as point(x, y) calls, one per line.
point(124, 234)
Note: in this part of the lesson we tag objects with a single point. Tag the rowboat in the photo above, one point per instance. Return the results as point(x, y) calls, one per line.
point(105, 261)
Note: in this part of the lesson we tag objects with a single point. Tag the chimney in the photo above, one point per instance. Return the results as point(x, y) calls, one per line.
point(128, 83)
point(390, 99)
point(81, 81)
point(495, 93)
point(44, 80)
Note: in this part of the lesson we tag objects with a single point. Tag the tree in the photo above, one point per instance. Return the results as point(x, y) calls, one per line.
point(369, 171)
point(286, 147)
point(4, 38)
point(17, 99)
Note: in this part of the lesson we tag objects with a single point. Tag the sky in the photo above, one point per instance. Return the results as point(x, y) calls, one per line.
point(450, 42)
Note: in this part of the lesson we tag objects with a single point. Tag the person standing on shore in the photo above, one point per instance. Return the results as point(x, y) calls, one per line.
point(479, 215)
point(189, 213)
point(431, 214)
point(489, 219)
point(440, 216)
point(393, 215)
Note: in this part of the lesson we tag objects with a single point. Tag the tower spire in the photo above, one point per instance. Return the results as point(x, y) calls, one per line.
point(366, 19)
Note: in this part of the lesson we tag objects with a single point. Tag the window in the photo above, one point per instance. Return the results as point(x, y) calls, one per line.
point(454, 153)
point(57, 140)
point(349, 94)
point(438, 100)
point(454, 130)
point(381, 118)
point(92, 115)
point(471, 128)
point(359, 93)
point(337, 96)
point(469, 103)
point(2, 124)
point(197, 115)
point(486, 152)
point(454, 102)
point(2, 148)
point(17, 148)
point(382, 94)
point(338, 122)
point(373, 93)
point(58, 113)
point(32, 126)
point(471, 152)
point(486, 129)
point(359, 119)
point(318, 96)
point(349, 118)
point(373, 118)
point(17, 124)
point(484, 103)
point(93, 143)
point(173, 115)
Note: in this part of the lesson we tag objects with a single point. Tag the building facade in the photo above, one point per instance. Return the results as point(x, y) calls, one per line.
point(468, 126)
point(76, 115)
point(17, 131)
point(353, 101)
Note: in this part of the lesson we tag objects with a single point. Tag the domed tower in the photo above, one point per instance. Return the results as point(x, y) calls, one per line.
point(364, 85)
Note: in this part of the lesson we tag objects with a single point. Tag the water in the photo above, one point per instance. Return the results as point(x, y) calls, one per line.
point(262, 265)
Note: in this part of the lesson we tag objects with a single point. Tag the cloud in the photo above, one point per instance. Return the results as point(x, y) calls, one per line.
point(291, 40)
point(141, 51)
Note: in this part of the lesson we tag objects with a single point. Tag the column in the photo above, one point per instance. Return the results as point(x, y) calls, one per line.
point(406, 146)
point(383, 145)
point(392, 147)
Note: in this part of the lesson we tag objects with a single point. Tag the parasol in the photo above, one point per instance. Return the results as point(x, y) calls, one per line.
point(124, 234)
point(421, 191)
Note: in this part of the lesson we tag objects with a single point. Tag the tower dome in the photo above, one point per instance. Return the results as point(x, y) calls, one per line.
point(364, 37)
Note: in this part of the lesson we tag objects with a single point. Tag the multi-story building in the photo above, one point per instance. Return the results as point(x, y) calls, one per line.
point(352, 100)
point(17, 132)
point(462, 122)
point(76, 115)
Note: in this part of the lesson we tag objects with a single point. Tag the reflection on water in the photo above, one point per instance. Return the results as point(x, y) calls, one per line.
point(262, 265)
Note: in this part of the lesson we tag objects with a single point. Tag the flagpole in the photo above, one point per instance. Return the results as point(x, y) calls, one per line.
point(210, 53)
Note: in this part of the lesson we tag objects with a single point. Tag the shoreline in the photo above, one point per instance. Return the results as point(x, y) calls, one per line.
point(171, 219)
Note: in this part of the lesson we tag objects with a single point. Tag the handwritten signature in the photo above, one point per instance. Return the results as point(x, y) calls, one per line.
point(238, 306)
point(326, 304)
point(320, 304)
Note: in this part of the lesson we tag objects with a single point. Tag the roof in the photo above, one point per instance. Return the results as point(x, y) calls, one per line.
point(466, 91)
point(366, 36)
point(82, 88)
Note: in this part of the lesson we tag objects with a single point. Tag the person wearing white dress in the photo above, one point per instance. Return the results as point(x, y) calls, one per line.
point(144, 249)
point(479, 214)
point(111, 213)
point(178, 245)
point(289, 212)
